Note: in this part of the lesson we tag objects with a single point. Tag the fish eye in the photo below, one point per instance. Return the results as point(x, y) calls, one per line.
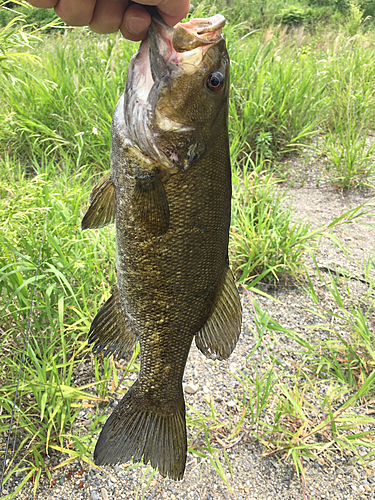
point(215, 81)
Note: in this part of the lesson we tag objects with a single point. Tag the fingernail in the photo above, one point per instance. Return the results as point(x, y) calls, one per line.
point(137, 25)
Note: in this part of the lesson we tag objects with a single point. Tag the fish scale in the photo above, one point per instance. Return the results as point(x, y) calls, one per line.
point(172, 212)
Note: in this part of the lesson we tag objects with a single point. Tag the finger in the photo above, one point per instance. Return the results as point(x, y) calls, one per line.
point(172, 11)
point(45, 4)
point(76, 13)
point(135, 23)
point(108, 15)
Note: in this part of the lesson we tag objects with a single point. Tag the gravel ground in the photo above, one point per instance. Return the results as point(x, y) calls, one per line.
point(255, 476)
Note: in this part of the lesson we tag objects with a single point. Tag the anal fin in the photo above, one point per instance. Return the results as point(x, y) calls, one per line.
point(150, 205)
point(110, 331)
point(218, 337)
point(102, 205)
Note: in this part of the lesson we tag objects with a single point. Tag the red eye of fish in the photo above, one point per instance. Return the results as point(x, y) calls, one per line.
point(215, 81)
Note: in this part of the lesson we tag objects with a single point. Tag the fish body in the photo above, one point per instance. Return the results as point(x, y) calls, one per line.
point(169, 191)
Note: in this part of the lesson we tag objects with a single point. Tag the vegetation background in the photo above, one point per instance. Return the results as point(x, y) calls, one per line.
point(301, 71)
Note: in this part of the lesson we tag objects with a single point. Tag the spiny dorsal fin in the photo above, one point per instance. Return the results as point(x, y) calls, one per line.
point(102, 205)
point(151, 205)
point(110, 330)
point(219, 335)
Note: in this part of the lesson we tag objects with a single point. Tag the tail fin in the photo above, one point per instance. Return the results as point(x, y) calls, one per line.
point(133, 430)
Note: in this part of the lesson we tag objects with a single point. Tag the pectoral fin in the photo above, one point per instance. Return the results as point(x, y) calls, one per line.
point(102, 205)
point(219, 335)
point(150, 205)
point(110, 331)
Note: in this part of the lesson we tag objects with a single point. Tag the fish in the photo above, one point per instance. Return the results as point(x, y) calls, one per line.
point(169, 193)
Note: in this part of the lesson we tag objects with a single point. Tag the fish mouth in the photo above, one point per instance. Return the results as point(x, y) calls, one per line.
point(166, 54)
point(182, 46)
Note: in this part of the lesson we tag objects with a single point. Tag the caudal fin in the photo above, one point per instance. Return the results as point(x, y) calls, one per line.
point(134, 431)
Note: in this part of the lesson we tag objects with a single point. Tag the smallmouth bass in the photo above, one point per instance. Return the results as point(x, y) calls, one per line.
point(169, 191)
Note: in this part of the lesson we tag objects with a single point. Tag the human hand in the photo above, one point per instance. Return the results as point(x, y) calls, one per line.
point(108, 16)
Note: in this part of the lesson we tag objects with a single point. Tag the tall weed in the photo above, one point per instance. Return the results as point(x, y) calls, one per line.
point(265, 241)
point(354, 19)
point(350, 68)
point(350, 158)
point(66, 107)
point(74, 279)
point(275, 94)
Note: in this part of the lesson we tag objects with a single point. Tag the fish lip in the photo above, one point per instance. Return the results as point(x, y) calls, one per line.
point(167, 45)
point(205, 25)
point(198, 33)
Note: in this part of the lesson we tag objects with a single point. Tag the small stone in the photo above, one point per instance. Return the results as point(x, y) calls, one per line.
point(95, 495)
point(191, 388)
point(231, 403)
point(367, 487)
point(233, 367)
point(356, 474)
point(206, 390)
point(173, 497)
point(104, 493)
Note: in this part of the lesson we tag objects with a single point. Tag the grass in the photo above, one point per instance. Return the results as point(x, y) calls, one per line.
point(58, 93)
point(350, 158)
point(271, 74)
point(321, 410)
point(265, 242)
point(57, 343)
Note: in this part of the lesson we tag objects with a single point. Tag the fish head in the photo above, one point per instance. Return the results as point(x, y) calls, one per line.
point(177, 91)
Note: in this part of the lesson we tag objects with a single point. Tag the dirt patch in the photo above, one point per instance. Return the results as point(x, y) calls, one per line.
point(316, 199)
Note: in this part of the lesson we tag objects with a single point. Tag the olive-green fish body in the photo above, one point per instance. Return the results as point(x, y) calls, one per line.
point(169, 191)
